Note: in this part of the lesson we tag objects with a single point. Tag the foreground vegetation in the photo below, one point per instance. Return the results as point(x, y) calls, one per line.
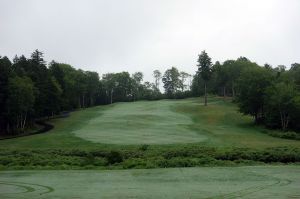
point(248, 182)
point(145, 157)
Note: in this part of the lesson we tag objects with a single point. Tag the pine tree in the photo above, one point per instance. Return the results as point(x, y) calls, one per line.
point(204, 69)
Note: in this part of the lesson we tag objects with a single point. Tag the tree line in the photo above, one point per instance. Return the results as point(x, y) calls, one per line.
point(270, 95)
point(31, 89)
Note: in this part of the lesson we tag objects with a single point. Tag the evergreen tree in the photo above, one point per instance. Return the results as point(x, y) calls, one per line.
point(5, 74)
point(204, 69)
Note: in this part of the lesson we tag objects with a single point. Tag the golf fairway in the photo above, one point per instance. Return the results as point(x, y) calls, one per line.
point(140, 122)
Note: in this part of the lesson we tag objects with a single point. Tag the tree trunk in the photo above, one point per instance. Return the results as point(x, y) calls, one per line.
point(83, 101)
point(287, 122)
point(91, 100)
point(205, 95)
point(21, 122)
point(233, 92)
point(24, 122)
point(18, 122)
point(224, 92)
point(111, 95)
point(8, 128)
point(284, 120)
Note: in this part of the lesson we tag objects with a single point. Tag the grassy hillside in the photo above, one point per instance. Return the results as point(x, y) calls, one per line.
point(140, 123)
point(150, 134)
point(156, 123)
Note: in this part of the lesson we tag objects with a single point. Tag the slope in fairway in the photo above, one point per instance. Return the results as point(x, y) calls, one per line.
point(140, 123)
point(240, 182)
point(154, 122)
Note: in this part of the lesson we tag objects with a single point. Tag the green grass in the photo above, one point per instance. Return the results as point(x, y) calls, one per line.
point(221, 122)
point(142, 123)
point(238, 182)
point(164, 123)
point(150, 134)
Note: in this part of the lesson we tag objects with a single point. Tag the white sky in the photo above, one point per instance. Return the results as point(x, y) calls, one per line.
point(144, 35)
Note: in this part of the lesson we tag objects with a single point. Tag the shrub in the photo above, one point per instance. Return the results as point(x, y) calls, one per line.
point(134, 163)
point(144, 147)
point(114, 157)
point(186, 156)
point(290, 135)
point(182, 162)
point(286, 135)
point(5, 161)
point(98, 161)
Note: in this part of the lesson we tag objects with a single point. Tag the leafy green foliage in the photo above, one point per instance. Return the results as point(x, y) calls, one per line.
point(154, 158)
point(252, 85)
point(171, 81)
point(20, 101)
point(281, 98)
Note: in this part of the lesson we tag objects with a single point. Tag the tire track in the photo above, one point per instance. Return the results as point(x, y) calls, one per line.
point(251, 190)
point(29, 187)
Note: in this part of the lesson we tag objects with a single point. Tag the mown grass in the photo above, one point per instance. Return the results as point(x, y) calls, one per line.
point(123, 125)
point(140, 122)
point(238, 182)
point(184, 133)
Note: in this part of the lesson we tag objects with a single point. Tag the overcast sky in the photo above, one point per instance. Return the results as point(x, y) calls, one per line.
point(143, 35)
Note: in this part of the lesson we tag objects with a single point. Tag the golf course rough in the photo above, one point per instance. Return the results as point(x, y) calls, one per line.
point(140, 123)
point(239, 182)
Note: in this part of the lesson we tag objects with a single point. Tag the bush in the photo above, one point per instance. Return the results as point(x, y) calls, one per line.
point(291, 135)
point(185, 156)
point(144, 147)
point(281, 134)
point(5, 161)
point(134, 163)
point(182, 162)
point(114, 157)
point(100, 161)
point(206, 161)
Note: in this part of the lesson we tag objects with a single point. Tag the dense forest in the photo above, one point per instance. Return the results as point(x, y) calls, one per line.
point(31, 89)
